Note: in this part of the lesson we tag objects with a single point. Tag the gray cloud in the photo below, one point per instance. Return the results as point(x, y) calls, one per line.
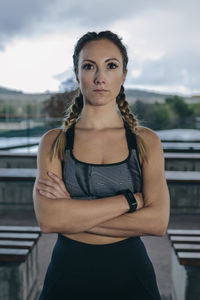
point(22, 17)
point(170, 70)
point(173, 24)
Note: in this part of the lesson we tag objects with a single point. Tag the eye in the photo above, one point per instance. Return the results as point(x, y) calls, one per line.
point(87, 66)
point(112, 65)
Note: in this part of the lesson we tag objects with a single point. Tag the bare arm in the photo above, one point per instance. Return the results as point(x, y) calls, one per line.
point(153, 218)
point(64, 214)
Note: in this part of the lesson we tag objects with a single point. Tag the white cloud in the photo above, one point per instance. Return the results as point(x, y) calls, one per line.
point(31, 65)
point(37, 40)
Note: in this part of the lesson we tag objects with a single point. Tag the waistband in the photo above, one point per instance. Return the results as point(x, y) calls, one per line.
point(123, 242)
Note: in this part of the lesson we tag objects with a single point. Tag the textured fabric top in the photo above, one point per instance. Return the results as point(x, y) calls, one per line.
point(90, 181)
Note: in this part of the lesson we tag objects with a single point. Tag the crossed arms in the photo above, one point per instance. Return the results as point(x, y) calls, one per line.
point(56, 212)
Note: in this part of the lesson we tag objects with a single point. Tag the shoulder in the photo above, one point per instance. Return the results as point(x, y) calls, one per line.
point(47, 140)
point(149, 136)
point(152, 143)
point(50, 136)
point(44, 156)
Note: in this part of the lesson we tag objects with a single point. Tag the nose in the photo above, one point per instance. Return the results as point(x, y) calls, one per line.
point(99, 77)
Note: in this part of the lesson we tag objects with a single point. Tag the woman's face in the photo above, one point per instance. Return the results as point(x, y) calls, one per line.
point(100, 71)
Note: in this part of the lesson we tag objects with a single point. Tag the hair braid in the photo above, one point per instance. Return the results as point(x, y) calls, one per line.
point(132, 121)
point(125, 110)
point(71, 115)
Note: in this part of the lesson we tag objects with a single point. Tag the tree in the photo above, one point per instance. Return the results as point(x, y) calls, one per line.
point(56, 106)
point(184, 114)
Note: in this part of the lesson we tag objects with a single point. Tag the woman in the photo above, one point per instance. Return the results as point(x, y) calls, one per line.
point(101, 185)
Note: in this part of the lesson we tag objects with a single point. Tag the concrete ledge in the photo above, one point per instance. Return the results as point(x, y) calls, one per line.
point(17, 160)
point(19, 267)
point(182, 161)
point(185, 254)
point(16, 186)
point(174, 161)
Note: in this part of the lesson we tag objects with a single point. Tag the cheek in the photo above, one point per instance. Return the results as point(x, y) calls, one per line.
point(117, 81)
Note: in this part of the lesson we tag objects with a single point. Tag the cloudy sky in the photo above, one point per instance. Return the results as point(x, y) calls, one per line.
point(37, 38)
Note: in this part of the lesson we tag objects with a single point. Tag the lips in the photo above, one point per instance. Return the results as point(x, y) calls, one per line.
point(100, 90)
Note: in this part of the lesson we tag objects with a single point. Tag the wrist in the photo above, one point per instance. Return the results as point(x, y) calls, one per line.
point(139, 199)
point(130, 199)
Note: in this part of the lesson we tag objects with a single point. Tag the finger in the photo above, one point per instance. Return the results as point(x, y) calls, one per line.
point(46, 182)
point(59, 181)
point(56, 192)
point(48, 189)
point(51, 184)
point(53, 176)
point(46, 194)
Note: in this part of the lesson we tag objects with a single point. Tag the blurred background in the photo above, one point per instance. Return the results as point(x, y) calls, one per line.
point(37, 39)
point(37, 84)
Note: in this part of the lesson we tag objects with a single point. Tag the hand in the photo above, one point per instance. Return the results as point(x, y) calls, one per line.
point(140, 200)
point(53, 188)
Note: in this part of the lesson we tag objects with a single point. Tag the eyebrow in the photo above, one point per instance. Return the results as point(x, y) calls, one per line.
point(113, 58)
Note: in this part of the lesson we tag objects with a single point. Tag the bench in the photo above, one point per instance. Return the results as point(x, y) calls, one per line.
point(19, 262)
point(185, 263)
point(174, 161)
point(182, 161)
point(16, 186)
point(17, 160)
point(181, 146)
point(184, 189)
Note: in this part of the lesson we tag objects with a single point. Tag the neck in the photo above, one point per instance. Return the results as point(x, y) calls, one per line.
point(99, 118)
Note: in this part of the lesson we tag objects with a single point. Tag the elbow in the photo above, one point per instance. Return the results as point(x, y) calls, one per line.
point(47, 227)
point(161, 232)
point(161, 229)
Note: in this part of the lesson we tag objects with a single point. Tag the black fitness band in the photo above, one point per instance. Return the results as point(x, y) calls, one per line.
point(130, 198)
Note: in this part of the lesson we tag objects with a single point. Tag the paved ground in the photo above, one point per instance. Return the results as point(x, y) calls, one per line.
point(158, 248)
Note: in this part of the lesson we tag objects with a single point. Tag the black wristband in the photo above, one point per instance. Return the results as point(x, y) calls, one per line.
point(130, 198)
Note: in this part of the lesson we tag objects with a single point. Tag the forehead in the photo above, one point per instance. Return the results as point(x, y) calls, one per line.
point(100, 50)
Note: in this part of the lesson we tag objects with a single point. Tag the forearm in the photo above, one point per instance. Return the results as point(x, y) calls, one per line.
point(74, 215)
point(149, 220)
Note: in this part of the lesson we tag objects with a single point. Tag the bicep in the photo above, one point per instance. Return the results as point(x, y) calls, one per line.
point(155, 190)
point(45, 164)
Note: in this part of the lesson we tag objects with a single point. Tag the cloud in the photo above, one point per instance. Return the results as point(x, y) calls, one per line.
point(22, 17)
point(162, 37)
point(170, 70)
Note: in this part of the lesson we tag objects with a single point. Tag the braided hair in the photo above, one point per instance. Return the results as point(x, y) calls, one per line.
point(73, 111)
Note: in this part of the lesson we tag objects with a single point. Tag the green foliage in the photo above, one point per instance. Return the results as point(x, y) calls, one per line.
point(7, 109)
point(174, 113)
point(29, 109)
point(195, 107)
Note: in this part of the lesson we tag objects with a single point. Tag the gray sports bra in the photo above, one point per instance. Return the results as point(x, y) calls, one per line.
point(90, 181)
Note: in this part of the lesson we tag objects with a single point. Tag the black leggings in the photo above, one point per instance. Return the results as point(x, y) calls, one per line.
point(120, 270)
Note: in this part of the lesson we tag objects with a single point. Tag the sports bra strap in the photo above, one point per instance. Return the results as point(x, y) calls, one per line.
point(130, 136)
point(70, 137)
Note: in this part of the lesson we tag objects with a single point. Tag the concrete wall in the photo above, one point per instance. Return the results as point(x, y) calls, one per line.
point(184, 198)
point(185, 280)
point(17, 194)
point(17, 160)
point(173, 161)
point(182, 161)
point(22, 277)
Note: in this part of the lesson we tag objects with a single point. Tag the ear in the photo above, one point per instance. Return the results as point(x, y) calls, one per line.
point(77, 78)
point(124, 76)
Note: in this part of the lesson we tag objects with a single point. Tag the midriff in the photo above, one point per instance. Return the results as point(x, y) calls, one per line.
point(91, 238)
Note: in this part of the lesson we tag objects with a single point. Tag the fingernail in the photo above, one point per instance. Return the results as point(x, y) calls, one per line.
point(49, 173)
